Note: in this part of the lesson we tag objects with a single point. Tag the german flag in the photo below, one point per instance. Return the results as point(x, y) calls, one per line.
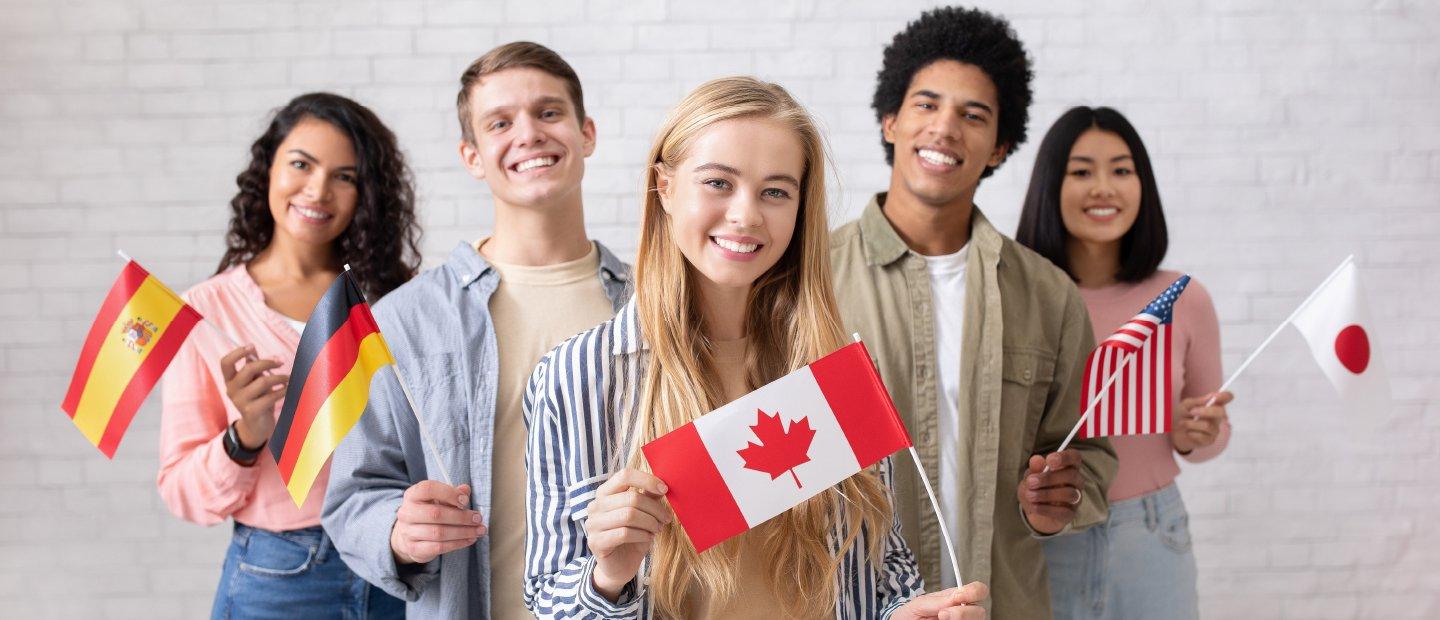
point(135, 335)
point(340, 351)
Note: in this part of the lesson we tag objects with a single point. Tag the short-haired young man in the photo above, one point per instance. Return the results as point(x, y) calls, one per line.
point(981, 341)
point(466, 336)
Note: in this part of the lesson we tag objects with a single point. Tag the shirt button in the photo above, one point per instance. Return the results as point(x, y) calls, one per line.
point(1027, 374)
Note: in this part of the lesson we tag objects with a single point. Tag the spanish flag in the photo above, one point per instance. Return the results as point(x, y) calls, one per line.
point(340, 351)
point(136, 334)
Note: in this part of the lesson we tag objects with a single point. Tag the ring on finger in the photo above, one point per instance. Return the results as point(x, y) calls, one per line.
point(1078, 496)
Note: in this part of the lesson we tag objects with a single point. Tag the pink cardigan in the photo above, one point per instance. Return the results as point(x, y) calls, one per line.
point(1147, 462)
point(197, 480)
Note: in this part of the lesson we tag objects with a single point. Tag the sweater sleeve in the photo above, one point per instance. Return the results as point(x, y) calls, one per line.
point(1203, 373)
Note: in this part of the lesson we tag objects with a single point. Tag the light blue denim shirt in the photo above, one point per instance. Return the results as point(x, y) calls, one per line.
point(438, 327)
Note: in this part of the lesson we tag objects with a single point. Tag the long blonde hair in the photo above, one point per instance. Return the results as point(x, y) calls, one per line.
point(791, 320)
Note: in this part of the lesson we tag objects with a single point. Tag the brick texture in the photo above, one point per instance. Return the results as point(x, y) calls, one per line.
point(1286, 135)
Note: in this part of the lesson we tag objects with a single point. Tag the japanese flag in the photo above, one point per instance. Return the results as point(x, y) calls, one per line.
point(742, 464)
point(1338, 328)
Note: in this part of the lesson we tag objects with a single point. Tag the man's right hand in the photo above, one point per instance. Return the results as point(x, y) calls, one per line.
point(434, 519)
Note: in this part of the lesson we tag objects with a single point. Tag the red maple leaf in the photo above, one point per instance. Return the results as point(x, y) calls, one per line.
point(779, 450)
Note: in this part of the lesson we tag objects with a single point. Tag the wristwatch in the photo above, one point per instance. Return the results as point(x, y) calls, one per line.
point(238, 452)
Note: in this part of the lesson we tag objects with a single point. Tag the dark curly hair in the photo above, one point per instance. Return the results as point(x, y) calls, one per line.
point(382, 242)
point(970, 36)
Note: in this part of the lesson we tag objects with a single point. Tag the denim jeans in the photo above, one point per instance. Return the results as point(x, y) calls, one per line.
point(294, 574)
point(1138, 564)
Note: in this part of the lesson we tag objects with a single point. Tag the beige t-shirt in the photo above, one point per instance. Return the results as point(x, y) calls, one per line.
point(757, 601)
point(533, 309)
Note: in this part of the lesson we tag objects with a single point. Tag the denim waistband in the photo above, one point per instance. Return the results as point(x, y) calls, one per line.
point(314, 536)
point(1149, 507)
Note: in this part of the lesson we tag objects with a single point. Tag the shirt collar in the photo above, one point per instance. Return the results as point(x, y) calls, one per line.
point(625, 336)
point(884, 246)
point(469, 266)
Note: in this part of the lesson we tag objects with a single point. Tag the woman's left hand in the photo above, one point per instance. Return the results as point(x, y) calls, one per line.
point(954, 604)
point(1198, 425)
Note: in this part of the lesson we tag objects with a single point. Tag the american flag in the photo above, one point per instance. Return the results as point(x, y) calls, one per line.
point(1139, 398)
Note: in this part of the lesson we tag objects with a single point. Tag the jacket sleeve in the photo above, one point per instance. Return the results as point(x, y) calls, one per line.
point(378, 460)
point(558, 563)
point(901, 580)
point(197, 480)
point(1062, 412)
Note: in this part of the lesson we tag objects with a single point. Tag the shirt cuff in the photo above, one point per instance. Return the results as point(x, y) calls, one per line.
point(229, 477)
point(628, 605)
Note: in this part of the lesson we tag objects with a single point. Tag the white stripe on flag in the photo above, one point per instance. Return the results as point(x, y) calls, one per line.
point(726, 431)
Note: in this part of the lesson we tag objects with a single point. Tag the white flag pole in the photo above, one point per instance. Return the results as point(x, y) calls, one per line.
point(1095, 400)
point(426, 441)
point(1287, 321)
point(934, 505)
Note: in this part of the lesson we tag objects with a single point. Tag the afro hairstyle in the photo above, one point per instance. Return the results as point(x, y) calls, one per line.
point(970, 36)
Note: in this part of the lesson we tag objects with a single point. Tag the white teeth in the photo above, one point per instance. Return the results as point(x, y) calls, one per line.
point(936, 157)
point(743, 248)
point(311, 213)
point(538, 162)
point(1102, 211)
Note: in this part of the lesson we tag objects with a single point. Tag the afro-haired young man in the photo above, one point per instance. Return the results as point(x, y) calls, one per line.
point(981, 341)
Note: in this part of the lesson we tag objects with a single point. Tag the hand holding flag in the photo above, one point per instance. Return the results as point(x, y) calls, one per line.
point(1050, 492)
point(621, 526)
point(1204, 415)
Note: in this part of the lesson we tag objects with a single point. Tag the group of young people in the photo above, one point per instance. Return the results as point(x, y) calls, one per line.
point(540, 363)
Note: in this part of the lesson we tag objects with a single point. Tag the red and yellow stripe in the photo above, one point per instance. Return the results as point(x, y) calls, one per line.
point(111, 379)
point(332, 397)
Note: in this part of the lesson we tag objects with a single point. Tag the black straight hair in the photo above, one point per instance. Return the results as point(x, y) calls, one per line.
point(1041, 228)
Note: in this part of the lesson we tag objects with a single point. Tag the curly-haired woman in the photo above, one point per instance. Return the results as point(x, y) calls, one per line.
point(326, 185)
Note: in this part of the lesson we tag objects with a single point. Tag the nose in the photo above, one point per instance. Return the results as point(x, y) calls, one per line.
point(527, 131)
point(945, 123)
point(317, 187)
point(744, 212)
point(1104, 186)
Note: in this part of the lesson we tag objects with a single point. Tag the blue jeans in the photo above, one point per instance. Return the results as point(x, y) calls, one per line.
point(294, 574)
point(1138, 564)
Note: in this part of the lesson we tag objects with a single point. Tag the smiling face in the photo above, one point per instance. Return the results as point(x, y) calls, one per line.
point(1100, 196)
point(529, 146)
point(313, 190)
point(734, 199)
point(944, 133)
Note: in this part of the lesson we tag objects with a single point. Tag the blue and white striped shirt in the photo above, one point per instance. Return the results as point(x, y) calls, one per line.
point(573, 405)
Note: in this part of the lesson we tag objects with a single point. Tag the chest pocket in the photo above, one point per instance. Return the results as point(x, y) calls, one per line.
point(579, 495)
point(1027, 374)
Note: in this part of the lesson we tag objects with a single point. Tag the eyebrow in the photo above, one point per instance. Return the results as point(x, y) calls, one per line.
point(719, 167)
point(312, 159)
point(1091, 160)
point(930, 94)
point(541, 101)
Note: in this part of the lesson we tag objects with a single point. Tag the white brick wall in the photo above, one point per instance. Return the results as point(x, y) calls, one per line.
point(1285, 136)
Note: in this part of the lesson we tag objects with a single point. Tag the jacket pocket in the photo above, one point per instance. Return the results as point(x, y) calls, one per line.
point(1026, 373)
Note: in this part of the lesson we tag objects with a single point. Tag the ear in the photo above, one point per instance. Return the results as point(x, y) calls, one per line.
point(470, 158)
point(887, 128)
point(664, 181)
point(587, 131)
point(997, 156)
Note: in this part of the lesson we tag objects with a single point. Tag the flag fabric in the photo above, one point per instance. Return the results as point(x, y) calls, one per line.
point(742, 464)
point(138, 330)
point(340, 350)
point(1140, 399)
point(1336, 324)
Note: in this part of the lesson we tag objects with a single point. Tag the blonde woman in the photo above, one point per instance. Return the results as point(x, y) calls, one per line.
point(732, 291)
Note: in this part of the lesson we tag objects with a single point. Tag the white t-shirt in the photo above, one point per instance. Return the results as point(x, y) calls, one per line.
point(298, 325)
point(947, 292)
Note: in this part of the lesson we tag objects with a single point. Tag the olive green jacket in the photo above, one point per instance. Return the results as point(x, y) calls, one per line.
point(1026, 335)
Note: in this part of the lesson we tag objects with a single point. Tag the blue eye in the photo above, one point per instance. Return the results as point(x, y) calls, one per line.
point(717, 183)
point(499, 125)
point(300, 164)
point(775, 192)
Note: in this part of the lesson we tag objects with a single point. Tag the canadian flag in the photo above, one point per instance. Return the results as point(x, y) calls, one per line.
point(1338, 328)
point(742, 464)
